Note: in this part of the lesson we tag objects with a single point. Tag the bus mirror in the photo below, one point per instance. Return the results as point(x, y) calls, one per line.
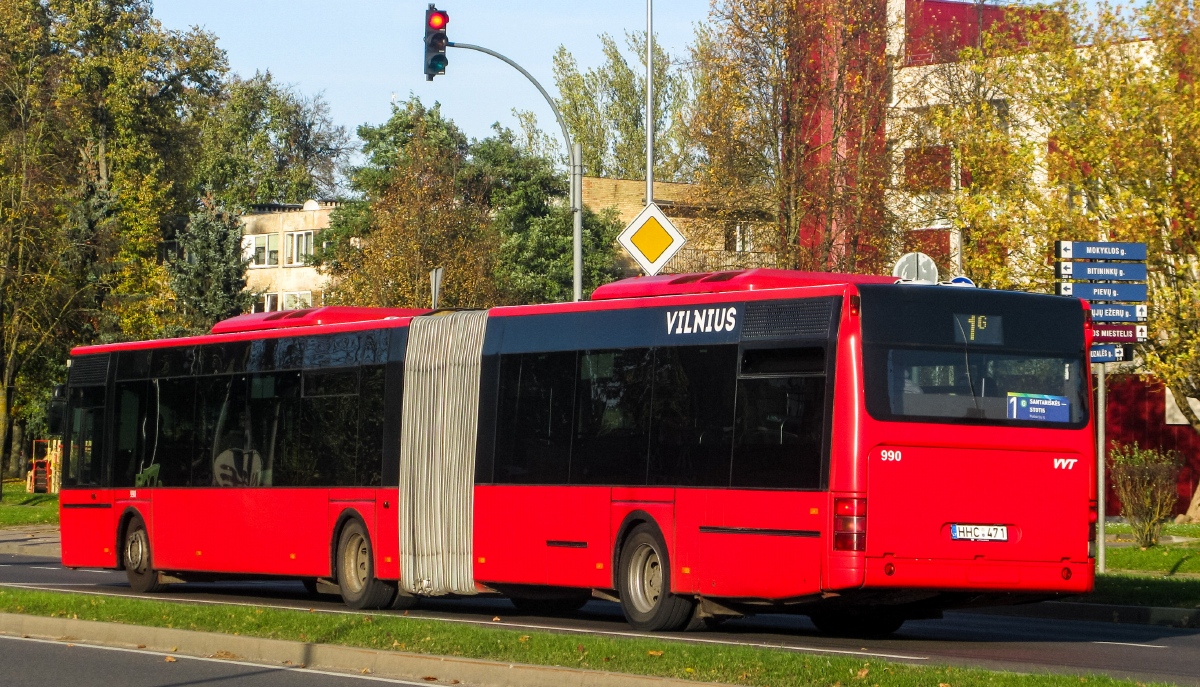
point(58, 409)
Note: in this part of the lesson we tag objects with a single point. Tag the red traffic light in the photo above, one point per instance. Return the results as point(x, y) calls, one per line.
point(438, 20)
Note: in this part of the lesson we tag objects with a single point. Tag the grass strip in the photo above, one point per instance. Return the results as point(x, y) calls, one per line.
point(654, 657)
point(1162, 559)
point(1189, 529)
point(1144, 590)
point(20, 508)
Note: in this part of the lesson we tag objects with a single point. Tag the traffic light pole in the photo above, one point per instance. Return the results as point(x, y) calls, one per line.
point(574, 156)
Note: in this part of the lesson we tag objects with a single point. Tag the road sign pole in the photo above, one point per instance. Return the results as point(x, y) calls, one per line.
point(575, 159)
point(649, 102)
point(577, 217)
point(1100, 465)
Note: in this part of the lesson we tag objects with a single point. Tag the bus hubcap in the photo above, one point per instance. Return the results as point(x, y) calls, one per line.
point(357, 563)
point(645, 578)
point(135, 551)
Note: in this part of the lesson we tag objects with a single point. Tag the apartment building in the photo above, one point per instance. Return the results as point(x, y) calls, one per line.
point(278, 238)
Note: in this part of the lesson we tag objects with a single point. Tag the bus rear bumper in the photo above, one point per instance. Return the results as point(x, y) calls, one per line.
point(1069, 577)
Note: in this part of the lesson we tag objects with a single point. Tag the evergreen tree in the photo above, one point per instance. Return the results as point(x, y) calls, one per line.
point(209, 276)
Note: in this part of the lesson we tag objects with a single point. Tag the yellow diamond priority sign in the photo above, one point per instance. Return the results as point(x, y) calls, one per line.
point(651, 239)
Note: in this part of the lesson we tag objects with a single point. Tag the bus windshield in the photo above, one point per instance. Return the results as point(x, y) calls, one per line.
point(981, 357)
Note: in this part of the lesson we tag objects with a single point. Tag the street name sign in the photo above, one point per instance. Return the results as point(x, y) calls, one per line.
point(651, 240)
point(1101, 271)
point(1107, 353)
point(1118, 333)
point(1099, 250)
point(1129, 293)
point(1118, 312)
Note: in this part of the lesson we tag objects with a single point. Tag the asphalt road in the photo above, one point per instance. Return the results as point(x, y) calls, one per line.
point(967, 639)
point(37, 663)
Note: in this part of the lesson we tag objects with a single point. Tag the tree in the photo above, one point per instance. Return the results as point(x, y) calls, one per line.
point(262, 142)
point(604, 109)
point(209, 275)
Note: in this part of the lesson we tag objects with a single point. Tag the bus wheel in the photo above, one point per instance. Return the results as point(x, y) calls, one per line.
point(552, 606)
point(644, 584)
point(859, 625)
point(356, 571)
point(143, 578)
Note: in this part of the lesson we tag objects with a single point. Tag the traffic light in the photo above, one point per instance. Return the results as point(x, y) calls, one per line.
point(435, 42)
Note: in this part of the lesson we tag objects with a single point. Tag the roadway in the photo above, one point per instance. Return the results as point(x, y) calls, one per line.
point(1139, 652)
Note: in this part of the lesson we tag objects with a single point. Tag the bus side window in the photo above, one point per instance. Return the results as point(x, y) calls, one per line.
point(369, 470)
point(176, 401)
point(692, 430)
point(612, 417)
point(85, 438)
point(780, 420)
point(133, 424)
point(327, 436)
point(533, 430)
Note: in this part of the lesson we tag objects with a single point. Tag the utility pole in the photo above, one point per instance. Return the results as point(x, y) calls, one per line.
point(575, 159)
point(649, 102)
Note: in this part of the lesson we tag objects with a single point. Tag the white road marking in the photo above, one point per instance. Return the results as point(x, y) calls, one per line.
point(147, 652)
point(466, 621)
point(38, 567)
point(1144, 646)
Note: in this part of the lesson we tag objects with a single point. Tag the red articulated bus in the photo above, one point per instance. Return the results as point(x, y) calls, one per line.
point(696, 447)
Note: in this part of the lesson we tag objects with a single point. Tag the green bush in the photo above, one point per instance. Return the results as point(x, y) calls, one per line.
point(1145, 480)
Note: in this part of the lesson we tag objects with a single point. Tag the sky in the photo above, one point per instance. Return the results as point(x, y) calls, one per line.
point(360, 54)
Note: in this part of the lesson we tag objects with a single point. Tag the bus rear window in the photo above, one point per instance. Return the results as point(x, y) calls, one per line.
point(939, 384)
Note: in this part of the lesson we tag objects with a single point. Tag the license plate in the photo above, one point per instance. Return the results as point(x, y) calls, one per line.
point(979, 532)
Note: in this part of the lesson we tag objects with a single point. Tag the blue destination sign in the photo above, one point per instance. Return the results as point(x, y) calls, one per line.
point(1108, 353)
point(1113, 312)
point(1039, 407)
point(1099, 250)
point(1101, 271)
point(1128, 293)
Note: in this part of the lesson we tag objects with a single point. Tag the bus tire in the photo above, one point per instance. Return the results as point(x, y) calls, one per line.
point(138, 563)
point(644, 584)
point(361, 590)
point(857, 625)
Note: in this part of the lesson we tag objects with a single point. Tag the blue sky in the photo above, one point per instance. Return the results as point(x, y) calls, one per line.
point(361, 52)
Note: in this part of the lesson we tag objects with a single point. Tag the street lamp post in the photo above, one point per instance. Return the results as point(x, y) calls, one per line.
point(575, 159)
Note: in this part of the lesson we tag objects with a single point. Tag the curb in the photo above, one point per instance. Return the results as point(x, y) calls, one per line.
point(283, 653)
point(1102, 613)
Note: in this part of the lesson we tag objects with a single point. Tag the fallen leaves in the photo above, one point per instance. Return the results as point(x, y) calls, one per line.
point(523, 639)
point(655, 654)
point(170, 659)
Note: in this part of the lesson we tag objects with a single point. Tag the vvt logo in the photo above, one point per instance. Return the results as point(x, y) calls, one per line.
point(1065, 463)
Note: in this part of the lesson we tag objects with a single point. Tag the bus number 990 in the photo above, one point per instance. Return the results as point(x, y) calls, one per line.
point(890, 455)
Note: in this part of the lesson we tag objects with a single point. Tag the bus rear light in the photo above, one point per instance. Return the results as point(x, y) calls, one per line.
point(850, 525)
point(850, 506)
point(845, 541)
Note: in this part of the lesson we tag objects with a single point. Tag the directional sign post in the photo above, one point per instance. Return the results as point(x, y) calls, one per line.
point(651, 240)
point(1101, 272)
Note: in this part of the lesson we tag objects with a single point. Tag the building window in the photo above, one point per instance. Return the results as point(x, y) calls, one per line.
point(739, 237)
point(297, 246)
point(297, 300)
point(262, 250)
point(267, 302)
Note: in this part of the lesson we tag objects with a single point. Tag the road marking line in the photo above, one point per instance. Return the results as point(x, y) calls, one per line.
point(147, 652)
point(106, 572)
point(1144, 646)
point(465, 621)
point(38, 567)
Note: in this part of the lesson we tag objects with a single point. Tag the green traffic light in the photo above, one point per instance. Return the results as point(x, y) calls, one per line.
point(438, 62)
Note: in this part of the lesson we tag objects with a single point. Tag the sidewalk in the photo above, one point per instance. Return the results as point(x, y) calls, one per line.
point(31, 540)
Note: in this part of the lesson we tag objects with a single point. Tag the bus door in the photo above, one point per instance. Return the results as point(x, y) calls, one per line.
point(88, 527)
point(763, 537)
